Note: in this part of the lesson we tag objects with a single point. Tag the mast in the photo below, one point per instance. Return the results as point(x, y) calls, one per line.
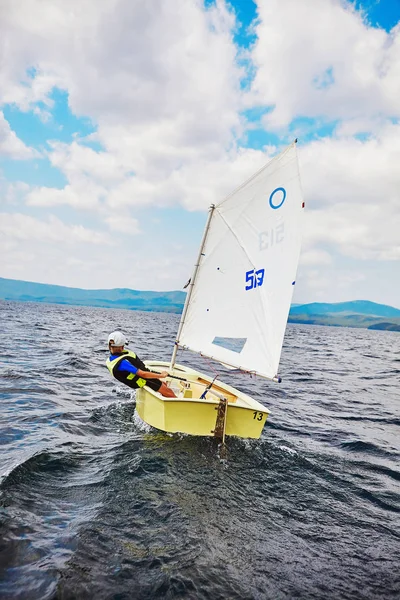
point(191, 285)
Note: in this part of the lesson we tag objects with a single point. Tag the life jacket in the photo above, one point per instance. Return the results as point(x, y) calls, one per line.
point(129, 379)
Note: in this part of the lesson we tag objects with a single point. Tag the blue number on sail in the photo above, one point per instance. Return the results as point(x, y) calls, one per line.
point(277, 205)
point(254, 278)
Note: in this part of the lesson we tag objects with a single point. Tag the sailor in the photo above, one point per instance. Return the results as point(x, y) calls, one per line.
point(127, 367)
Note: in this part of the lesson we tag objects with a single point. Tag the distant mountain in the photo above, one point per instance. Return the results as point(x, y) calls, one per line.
point(358, 313)
point(355, 307)
point(12, 289)
point(385, 326)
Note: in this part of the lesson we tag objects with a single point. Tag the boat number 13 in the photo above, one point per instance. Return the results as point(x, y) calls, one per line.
point(258, 415)
point(254, 278)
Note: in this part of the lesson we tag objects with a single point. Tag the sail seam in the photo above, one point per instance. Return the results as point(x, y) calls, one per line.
point(236, 238)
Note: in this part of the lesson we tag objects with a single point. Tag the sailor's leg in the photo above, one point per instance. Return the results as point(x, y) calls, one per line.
point(166, 391)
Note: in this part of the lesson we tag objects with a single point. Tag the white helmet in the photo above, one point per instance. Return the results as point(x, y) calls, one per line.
point(116, 338)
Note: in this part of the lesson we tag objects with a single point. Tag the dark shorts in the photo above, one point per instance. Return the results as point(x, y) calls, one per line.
point(154, 384)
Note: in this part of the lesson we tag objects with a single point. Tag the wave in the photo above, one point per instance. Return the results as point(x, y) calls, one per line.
point(367, 447)
point(11, 374)
point(28, 390)
point(281, 427)
point(50, 462)
point(379, 469)
point(385, 504)
point(381, 420)
point(91, 482)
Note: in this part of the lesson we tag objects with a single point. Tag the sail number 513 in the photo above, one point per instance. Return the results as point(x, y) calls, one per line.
point(254, 278)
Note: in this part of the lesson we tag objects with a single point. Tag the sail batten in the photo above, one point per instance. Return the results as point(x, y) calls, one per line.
point(246, 269)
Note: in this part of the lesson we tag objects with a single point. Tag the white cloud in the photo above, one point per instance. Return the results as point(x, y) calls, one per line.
point(80, 197)
point(346, 169)
point(161, 83)
point(320, 58)
point(352, 194)
point(194, 186)
point(23, 227)
point(315, 257)
point(142, 61)
point(51, 252)
point(365, 233)
point(10, 145)
point(13, 193)
point(332, 284)
point(80, 163)
point(123, 224)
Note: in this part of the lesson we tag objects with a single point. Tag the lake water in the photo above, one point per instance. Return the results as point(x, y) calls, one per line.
point(95, 504)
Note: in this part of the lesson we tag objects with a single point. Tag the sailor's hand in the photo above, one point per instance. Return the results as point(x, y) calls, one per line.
point(163, 374)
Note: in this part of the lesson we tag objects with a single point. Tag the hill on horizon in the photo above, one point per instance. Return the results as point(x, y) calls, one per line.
point(360, 307)
point(355, 313)
point(26, 291)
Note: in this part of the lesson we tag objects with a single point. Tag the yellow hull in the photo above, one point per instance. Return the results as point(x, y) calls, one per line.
point(245, 417)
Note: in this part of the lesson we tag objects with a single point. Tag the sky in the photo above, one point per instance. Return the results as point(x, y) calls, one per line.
point(121, 121)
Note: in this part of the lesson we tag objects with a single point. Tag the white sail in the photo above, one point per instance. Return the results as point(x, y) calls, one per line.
point(240, 300)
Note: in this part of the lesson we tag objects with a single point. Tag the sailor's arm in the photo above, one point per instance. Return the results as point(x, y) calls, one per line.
point(149, 375)
point(127, 366)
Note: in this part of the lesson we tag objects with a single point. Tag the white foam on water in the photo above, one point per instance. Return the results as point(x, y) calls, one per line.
point(288, 450)
point(140, 424)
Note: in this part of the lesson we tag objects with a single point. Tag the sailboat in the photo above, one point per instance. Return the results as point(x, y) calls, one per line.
point(236, 307)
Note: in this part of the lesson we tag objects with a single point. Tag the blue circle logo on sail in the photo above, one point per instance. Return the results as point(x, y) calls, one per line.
point(282, 199)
